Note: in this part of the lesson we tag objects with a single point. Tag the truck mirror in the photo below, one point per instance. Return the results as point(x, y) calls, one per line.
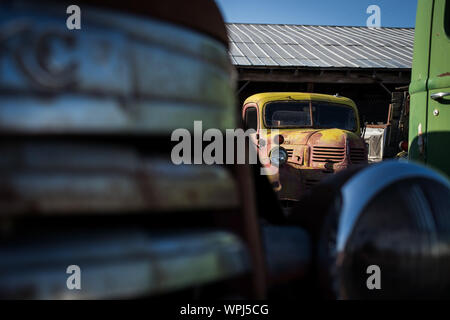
point(391, 219)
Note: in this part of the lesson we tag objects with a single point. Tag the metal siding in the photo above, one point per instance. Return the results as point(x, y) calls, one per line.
point(320, 46)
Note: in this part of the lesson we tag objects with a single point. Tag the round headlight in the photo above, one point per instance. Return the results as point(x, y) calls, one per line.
point(387, 234)
point(278, 156)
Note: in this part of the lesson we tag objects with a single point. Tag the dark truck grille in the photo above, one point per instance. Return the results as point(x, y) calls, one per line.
point(357, 155)
point(328, 154)
point(289, 152)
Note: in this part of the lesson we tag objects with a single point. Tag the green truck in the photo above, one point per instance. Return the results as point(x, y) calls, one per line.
point(429, 122)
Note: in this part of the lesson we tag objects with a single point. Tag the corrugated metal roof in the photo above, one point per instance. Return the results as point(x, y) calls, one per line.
point(273, 45)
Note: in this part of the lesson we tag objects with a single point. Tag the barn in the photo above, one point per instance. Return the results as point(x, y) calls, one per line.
point(364, 64)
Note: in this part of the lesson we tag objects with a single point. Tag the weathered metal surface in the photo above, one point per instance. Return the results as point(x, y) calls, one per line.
point(325, 152)
point(313, 154)
point(125, 264)
point(63, 178)
point(81, 104)
point(429, 120)
point(320, 46)
point(125, 75)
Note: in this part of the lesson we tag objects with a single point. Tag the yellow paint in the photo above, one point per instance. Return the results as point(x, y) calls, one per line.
point(306, 157)
point(331, 135)
point(260, 99)
point(296, 137)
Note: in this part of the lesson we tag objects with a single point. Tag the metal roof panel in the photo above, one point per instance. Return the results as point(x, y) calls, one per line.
point(320, 46)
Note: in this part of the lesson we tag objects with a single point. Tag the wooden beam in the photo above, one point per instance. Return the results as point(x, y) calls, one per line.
point(324, 76)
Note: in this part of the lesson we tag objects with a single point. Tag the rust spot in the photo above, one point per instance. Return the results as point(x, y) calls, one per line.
point(447, 74)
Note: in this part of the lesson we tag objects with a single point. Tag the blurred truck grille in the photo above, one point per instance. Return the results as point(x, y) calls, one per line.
point(357, 155)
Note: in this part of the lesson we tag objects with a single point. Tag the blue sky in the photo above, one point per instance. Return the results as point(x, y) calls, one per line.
point(394, 13)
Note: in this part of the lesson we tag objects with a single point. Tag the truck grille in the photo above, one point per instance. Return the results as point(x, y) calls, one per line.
point(328, 154)
point(357, 155)
point(289, 152)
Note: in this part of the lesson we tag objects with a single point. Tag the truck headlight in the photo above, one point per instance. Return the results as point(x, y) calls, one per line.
point(278, 156)
point(386, 228)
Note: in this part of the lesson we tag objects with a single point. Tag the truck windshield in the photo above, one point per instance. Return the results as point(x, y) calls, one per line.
point(309, 114)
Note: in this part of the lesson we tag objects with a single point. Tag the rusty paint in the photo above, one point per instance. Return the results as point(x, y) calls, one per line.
point(126, 80)
point(313, 154)
point(72, 178)
point(326, 151)
point(82, 103)
point(120, 263)
point(446, 74)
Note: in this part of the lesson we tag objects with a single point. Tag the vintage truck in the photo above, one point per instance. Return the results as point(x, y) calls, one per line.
point(429, 121)
point(87, 183)
point(86, 178)
point(419, 114)
point(316, 135)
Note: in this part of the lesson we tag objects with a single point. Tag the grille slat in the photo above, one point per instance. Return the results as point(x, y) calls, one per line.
point(328, 154)
point(357, 155)
point(328, 158)
point(329, 148)
point(289, 152)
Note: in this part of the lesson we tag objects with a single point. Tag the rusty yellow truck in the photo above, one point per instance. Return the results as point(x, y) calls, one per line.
point(307, 136)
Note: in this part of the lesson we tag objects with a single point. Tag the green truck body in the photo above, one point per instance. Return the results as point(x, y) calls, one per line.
point(429, 123)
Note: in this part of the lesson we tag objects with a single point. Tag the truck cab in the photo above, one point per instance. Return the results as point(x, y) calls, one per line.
point(429, 122)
